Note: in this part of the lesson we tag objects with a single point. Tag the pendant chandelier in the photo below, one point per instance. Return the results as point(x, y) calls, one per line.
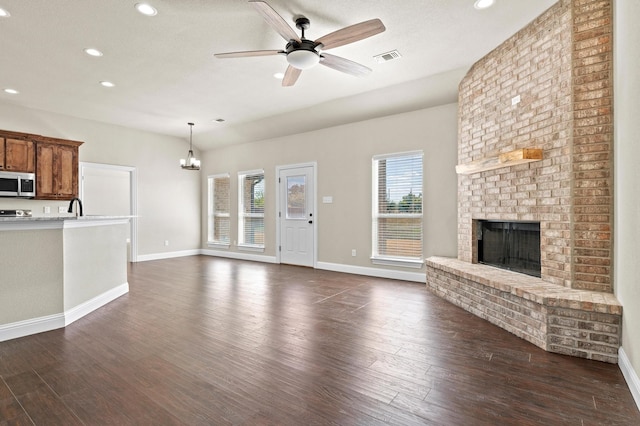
point(191, 162)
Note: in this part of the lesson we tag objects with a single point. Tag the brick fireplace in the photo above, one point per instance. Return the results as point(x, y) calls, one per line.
point(548, 91)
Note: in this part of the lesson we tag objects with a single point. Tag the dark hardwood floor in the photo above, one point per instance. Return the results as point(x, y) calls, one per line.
point(209, 341)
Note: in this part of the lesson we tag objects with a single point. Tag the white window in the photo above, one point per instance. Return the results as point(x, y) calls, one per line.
point(397, 209)
point(251, 209)
point(219, 225)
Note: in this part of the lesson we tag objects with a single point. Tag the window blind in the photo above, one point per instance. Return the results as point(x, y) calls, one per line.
point(397, 206)
point(251, 209)
point(219, 225)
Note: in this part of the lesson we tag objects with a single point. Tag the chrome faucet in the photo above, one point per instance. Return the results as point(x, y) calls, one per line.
point(70, 210)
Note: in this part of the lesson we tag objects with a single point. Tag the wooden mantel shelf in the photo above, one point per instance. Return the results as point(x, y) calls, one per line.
point(511, 158)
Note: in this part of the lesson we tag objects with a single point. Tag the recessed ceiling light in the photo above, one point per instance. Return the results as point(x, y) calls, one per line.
point(483, 4)
point(107, 84)
point(92, 52)
point(219, 120)
point(4, 13)
point(146, 9)
point(279, 75)
point(11, 91)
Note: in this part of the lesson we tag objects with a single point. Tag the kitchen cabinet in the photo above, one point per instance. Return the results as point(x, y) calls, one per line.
point(17, 155)
point(56, 170)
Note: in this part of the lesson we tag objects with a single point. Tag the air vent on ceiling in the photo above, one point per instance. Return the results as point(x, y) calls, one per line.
point(388, 56)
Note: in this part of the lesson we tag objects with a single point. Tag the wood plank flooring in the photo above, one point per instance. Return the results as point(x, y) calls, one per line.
point(210, 341)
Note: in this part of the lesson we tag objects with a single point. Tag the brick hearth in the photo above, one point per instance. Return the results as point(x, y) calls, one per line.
point(560, 65)
point(581, 323)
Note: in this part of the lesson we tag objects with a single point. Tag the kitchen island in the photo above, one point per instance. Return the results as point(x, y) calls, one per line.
point(54, 271)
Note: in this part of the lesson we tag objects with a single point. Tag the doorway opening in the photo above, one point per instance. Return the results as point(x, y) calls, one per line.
point(111, 190)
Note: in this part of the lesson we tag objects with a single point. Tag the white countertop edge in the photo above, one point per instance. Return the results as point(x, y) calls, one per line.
point(84, 223)
point(23, 224)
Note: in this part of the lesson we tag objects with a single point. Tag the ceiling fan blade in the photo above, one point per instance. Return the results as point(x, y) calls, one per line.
point(344, 65)
point(351, 34)
point(291, 76)
point(248, 53)
point(274, 20)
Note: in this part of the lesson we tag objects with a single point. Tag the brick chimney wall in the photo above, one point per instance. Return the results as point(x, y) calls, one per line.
point(561, 67)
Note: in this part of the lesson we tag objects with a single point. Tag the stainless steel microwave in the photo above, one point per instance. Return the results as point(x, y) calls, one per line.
point(17, 185)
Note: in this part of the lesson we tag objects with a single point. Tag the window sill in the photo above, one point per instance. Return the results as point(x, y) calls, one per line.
point(218, 245)
point(249, 247)
point(395, 261)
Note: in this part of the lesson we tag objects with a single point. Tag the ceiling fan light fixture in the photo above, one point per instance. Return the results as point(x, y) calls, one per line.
point(303, 59)
point(146, 9)
point(483, 4)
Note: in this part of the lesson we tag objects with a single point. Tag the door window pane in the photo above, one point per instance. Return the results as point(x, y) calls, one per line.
point(296, 197)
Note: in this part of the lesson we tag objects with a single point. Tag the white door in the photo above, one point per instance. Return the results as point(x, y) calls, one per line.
point(296, 215)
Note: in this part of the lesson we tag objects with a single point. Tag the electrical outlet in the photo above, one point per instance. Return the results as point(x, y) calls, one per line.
point(515, 100)
point(353, 252)
point(166, 242)
point(61, 209)
point(46, 209)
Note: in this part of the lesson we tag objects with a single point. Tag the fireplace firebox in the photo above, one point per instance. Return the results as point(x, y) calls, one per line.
point(510, 245)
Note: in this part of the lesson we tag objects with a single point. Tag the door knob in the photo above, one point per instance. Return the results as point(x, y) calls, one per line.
point(310, 221)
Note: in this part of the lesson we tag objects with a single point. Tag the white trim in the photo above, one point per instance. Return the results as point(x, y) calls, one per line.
point(31, 326)
point(251, 247)
point(239, 256)
point(85, 308)
point(218, 245)
point(399, 154)
point(219, 175)
point(630, 375)
point(404, 263)
point(168, 255)
point(419, 277)
point(52, 322)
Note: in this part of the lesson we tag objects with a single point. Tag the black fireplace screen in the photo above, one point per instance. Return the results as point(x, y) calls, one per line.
point(510, 245)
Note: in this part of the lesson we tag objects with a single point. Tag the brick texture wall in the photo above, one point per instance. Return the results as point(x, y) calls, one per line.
point(560, 66)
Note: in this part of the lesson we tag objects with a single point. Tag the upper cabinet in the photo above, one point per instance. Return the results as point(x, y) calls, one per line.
point(17, 155)
point(57, 170)
point(54, 161)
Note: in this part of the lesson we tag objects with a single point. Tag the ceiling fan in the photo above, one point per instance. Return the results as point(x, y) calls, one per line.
point(303, 53)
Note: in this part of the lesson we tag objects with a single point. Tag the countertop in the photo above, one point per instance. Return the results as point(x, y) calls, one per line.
point(59, 222)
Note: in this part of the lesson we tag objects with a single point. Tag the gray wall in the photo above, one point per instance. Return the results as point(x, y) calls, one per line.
point(627, 174)
point(343, 155)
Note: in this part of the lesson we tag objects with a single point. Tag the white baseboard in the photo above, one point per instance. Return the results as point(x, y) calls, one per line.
point(168, 255)
point(630, 375)
point(373, 272)
point(239, 255)
point(52, 322)
point(31, 326)
point(89, 306)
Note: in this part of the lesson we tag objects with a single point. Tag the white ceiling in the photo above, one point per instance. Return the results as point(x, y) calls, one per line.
point(166, 75)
